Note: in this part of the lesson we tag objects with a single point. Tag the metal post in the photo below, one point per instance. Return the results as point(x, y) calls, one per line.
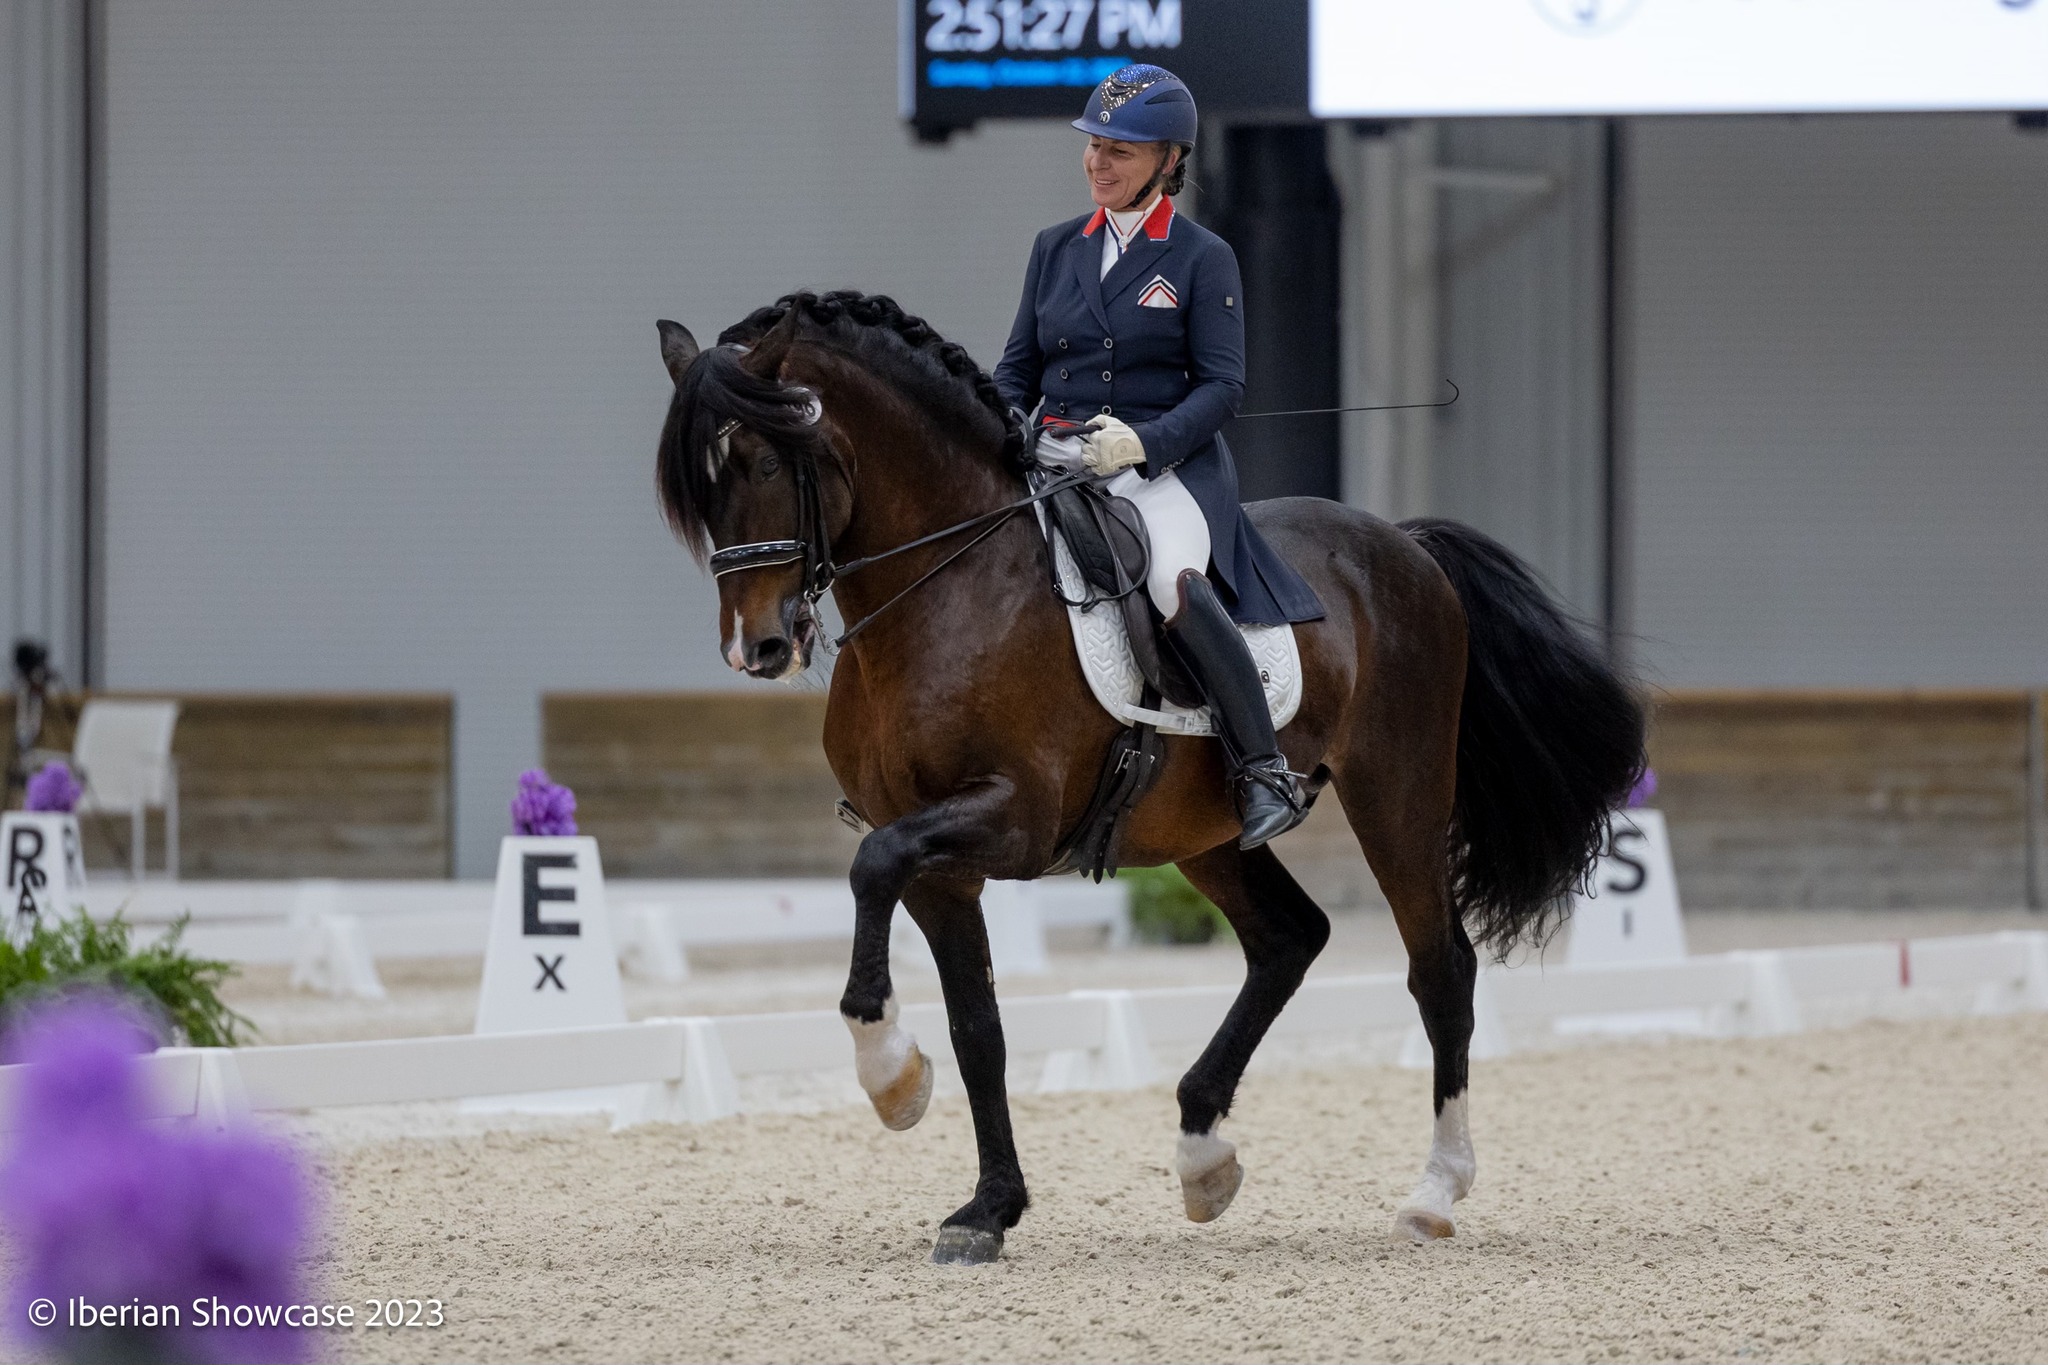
point(171, 822)
point(2037, 803)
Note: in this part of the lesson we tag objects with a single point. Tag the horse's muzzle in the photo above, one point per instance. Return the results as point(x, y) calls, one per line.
point(782, 655)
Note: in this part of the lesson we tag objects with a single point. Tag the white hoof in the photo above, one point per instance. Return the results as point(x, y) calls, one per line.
point(1209, 1175)
point(902, 1103)
point(892, 1069)
point(1447, 1178)
point(1424, 1218)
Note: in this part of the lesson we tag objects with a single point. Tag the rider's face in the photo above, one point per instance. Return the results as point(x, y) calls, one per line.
point(1117, 171)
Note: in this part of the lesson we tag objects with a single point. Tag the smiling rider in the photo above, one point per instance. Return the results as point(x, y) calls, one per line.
point(1129, 347)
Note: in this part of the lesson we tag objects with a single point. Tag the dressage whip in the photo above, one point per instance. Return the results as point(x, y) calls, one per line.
point(1371, 407)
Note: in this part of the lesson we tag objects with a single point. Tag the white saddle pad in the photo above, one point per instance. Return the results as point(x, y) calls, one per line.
point(1105, 653)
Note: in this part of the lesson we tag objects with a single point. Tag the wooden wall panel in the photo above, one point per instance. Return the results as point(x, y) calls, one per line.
point(700, 784)
point(1847, 798)
point(280, 786)
point(1774, 798)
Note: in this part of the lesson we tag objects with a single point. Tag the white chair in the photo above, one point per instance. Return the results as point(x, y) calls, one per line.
point(123, 757)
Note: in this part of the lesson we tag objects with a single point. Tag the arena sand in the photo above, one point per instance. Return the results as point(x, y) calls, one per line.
point(1877, 1193)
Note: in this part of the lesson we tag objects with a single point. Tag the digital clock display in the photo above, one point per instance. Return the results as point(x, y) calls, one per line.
point(965, 60)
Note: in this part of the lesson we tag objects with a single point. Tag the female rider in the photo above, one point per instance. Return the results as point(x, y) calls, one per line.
point(1130, 346)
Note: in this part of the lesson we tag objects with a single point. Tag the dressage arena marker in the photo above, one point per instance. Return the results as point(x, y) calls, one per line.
point(688, 1069)
point(1631, 912)
point(45, 871)
point(549, 962)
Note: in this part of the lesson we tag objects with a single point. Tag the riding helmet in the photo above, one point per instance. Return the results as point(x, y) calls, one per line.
point(1141, 103)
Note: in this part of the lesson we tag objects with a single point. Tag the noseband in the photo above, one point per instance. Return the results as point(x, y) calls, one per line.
point(813, 546)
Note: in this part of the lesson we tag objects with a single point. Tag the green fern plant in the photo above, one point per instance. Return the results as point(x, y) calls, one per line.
point(1166, 907)
point(83, 952)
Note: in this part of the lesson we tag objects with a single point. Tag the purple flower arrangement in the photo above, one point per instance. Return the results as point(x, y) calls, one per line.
point(541, 806)
point(111, 1212)
point(1643, 790)
point(54, 789)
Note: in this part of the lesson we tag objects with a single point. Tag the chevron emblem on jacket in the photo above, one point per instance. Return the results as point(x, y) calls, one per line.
point(1158, 294)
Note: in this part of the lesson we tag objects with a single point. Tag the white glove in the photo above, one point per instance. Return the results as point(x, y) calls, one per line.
point(1110, 445)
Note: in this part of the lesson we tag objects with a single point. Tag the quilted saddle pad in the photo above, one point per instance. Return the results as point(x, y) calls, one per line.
point(1105, 653)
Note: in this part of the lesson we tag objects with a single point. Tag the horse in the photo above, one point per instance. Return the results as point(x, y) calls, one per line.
point(1475, 736)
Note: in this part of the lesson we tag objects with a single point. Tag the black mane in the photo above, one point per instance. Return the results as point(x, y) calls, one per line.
point(935, 374)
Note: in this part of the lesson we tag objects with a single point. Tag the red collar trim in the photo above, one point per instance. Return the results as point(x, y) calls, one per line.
point(1158, 223)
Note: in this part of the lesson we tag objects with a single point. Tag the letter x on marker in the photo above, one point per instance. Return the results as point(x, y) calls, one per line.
point(548, 970)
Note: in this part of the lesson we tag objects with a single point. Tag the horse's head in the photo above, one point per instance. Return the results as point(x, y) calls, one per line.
point(739, 474)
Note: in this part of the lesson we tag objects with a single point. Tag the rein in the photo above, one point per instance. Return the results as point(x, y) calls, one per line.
point(813, 549)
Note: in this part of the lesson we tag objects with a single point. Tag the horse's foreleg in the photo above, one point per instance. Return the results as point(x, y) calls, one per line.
point(949, 842)
point(949, 913)
point(895, 1074)
point(1281, 931)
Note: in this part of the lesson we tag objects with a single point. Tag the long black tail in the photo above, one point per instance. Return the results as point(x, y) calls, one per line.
point(1549, 742)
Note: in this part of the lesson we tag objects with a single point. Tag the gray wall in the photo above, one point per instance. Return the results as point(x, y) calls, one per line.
point(1522, 276)
point(42, 342)
point(382, 381)
point(1838, 430)
point(1474, 250)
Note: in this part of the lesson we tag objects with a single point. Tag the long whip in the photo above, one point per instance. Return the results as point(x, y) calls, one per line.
point(1370, 407)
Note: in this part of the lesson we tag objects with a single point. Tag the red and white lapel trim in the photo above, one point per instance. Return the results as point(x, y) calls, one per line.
point(1158, 223)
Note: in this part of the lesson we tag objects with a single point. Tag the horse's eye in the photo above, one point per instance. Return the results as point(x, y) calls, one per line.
point(769, 464)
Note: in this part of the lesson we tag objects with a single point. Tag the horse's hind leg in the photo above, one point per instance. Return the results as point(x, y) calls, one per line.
point(1404, 835)
point(1281, 931)
point(950, 915)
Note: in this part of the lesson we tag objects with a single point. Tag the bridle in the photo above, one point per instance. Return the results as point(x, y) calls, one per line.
point(812, 546)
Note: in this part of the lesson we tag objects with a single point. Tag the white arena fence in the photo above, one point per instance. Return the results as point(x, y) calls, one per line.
point(687, 1070)
point(332, 933)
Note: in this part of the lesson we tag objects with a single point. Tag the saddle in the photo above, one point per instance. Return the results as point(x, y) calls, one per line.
point(1106, 536)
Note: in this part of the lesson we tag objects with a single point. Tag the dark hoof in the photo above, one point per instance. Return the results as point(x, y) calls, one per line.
point(966, 1246)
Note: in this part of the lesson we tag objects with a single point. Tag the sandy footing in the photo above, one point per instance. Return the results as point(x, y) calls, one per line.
point(1877, 1193)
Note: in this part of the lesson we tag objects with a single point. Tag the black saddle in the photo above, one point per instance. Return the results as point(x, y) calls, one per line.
point(1106, 535)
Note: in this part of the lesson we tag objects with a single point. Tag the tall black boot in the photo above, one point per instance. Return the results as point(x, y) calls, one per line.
point(1269, 800)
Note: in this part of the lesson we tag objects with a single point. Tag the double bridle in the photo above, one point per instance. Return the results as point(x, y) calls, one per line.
point(812, 546)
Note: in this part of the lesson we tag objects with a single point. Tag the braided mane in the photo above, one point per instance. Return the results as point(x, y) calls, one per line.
point(936, 374)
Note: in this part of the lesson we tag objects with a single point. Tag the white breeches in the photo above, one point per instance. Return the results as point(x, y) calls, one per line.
point(1174, 525)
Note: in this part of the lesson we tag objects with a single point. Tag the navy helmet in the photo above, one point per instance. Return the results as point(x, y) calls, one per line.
point(1141, 103)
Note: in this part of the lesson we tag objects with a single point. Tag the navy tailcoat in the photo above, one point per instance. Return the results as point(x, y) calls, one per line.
point(1159, 342)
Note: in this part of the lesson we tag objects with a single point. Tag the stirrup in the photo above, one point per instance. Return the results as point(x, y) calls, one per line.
point(1284, 805)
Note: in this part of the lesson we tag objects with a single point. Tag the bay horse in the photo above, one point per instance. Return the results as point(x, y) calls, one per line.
point(1475, 737)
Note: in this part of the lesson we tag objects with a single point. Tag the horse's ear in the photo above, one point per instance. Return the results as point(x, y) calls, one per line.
point(678, 347)
point(766, 358)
